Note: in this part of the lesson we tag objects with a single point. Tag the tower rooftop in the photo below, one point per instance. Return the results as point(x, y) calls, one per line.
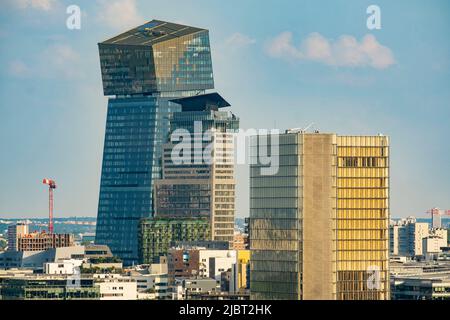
point(152, 32)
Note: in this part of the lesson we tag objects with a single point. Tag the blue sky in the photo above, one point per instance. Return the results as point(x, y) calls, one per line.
point(280, 64)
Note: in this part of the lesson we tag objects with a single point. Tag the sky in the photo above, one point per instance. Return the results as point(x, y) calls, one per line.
point(281, 64)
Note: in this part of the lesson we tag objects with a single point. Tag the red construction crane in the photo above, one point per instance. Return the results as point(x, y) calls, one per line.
point(437, 211)
point(51, 185)
point(436, 214)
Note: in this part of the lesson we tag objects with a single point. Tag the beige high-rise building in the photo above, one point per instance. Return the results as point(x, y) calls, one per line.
point(319, 226)
point(198, 178)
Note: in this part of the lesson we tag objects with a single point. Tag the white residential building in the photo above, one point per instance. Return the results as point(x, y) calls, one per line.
point(431, 246)
point(63, 267)
point(155, 284)
point(217, 265)
point(116, 287)
point(443, 233)
point(217, 260)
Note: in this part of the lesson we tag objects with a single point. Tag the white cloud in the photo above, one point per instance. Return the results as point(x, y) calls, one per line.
point(239, 40)
point(18, 68)
point(281, 46)
point(45, 5)
point(346, 51)
point(119, 14)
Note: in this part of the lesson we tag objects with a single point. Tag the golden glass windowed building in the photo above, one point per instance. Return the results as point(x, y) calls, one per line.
point(319, 225)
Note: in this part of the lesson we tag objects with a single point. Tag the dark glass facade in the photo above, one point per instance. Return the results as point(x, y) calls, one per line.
point(143, 69)
point(165, 58)
point(275, 223)
point(184, 200)
point(200, 189)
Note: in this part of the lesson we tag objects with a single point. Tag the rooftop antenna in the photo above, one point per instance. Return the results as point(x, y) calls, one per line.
point(307, 127)
point(302, 130)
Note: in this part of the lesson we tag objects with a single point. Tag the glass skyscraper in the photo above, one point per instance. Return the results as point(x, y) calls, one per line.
point(142, 70)
point(194, 200)
point(319, 226)
point(202, 187)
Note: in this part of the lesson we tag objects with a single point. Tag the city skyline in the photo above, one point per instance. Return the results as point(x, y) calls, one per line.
point(57, 129)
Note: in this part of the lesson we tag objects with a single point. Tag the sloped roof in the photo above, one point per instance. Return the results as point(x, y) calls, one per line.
point(152, 32)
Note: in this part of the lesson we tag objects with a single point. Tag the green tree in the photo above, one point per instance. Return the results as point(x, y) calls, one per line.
point(3, 244)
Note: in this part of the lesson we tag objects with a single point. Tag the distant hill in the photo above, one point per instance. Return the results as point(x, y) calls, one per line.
point(73, 225)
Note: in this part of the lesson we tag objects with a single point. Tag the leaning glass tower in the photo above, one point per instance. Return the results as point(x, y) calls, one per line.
point(142, 70)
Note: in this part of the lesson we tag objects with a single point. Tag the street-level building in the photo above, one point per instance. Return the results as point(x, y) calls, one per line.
point(197, 286)
point(426, 286)
point(156, 284)
point(157, 234)
point(36, 259)
point(48, 287)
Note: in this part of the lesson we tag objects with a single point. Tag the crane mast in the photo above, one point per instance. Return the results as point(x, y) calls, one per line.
point(51, 185)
